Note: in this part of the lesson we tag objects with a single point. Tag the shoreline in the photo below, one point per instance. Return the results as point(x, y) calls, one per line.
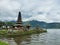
point(19, 33)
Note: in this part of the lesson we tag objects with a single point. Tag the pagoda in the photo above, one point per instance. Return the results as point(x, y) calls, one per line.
point(19, 20)
point(18, 24)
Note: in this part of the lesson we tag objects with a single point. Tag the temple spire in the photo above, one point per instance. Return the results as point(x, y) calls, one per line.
point(19, 20)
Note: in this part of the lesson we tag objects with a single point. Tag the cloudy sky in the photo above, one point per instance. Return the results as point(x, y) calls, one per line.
point(41, 10)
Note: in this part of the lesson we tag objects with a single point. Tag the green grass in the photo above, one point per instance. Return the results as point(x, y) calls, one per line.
point(26, 33)
point(4, 33)
point(3, 43)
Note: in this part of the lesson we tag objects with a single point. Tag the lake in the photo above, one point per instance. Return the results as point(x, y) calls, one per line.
point(52, 37)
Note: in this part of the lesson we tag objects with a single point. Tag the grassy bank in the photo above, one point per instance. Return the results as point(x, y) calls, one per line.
point(3, 43)
point(5, 33)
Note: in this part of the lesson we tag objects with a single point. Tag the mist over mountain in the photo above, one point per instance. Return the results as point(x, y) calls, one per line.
point(42, 24)
point(33, 23)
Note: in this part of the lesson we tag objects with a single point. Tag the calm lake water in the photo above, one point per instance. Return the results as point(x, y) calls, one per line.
point(52, 37)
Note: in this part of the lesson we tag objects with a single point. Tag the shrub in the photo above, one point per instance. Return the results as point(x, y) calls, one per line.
point(3, 43)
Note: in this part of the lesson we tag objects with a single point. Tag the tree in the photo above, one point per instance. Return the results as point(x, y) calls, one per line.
point(2, 23)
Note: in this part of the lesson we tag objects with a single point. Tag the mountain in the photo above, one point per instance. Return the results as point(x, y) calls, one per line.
point(53, 25)
point(34, 23)
point(42, 24)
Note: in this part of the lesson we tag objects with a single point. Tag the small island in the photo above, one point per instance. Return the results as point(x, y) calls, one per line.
point(19, 29)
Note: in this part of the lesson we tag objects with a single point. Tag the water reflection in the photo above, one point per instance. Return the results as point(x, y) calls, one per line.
point(22, 40)
point(52, 37)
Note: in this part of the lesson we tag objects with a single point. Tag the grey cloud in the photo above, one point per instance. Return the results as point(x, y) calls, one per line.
point(31, 9)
